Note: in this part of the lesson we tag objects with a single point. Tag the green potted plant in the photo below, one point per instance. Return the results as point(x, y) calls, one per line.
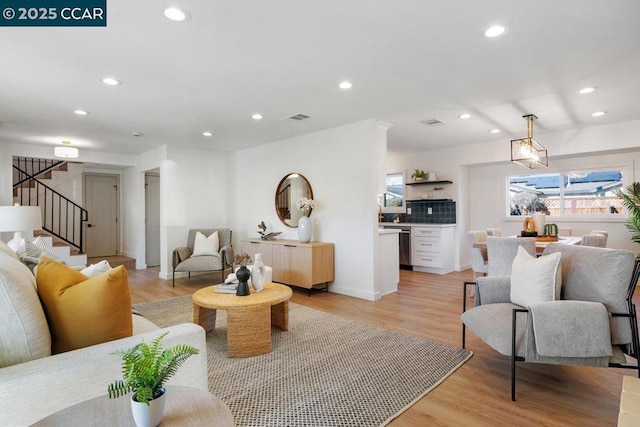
point(145, 370)
point(631, 201)
point(419, 175)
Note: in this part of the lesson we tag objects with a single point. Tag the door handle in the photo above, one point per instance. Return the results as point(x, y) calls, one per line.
point(89, 225)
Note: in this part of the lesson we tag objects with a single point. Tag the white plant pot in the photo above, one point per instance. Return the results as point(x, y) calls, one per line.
point(148, 415)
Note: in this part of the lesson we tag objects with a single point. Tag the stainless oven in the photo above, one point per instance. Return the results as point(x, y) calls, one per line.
point(404, 243)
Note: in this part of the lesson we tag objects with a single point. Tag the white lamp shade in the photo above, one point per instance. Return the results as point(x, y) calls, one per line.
point(20, 218)
point(66, 152)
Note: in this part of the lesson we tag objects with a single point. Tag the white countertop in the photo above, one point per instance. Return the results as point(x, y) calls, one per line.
point(382, 231)
point(414, 224)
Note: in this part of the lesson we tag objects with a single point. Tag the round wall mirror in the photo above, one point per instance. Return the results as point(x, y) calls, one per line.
point(290, 189)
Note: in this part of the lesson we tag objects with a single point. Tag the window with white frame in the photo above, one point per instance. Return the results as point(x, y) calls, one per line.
point(393, 199)
point(573, 194)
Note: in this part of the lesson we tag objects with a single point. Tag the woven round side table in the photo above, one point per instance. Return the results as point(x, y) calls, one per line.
point(249, 318)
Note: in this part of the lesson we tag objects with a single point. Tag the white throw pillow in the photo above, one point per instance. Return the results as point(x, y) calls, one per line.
point(95, 269)
point(15, 244)
point(45, 248)
point(206, 246)
point(535, 280)
point(24, 333)
point(27, 249)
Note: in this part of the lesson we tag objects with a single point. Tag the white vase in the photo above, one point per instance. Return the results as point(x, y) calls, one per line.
point(148, 415)
point(539, 218)
point(258, 273)
point(304, 229)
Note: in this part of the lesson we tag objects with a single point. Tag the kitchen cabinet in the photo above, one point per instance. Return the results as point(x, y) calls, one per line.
point(295, 263)
point(432, 249)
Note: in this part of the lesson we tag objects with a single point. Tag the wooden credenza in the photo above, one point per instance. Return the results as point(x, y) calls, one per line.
point(294, 263)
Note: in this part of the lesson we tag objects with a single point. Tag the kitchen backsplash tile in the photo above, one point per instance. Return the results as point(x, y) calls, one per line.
point(441, 213)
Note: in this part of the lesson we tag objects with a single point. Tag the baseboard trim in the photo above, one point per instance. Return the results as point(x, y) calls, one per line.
point(370, 296)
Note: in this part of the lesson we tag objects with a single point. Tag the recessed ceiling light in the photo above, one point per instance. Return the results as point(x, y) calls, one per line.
point(586, 90)
point(110, 81)
point(207, 133)
point(495, 31)
point(81, 112)
point(494, 131)
point(176, 14)
point(465, 116)
point(599, 113)
point(257, 116)
point(345, 85)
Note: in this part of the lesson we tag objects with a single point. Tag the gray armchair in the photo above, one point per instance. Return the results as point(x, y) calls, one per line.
point(183, 261)
point(594, 323)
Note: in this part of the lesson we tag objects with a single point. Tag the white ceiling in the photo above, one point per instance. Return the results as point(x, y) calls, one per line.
point(409, 60)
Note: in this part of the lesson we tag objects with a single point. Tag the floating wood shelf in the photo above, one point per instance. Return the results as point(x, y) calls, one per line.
point(429, 182)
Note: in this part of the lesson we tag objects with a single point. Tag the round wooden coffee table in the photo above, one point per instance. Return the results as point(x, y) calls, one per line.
point(185, 406)
point(249, 318)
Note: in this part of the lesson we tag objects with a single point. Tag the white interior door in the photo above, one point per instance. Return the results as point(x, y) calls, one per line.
point(152, 219)
point(101, 201)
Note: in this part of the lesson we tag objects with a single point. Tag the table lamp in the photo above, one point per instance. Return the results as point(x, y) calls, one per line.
point(18, 219)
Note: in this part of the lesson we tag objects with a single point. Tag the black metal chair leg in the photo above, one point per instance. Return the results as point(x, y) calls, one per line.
point(464, 308)
point(513, 357)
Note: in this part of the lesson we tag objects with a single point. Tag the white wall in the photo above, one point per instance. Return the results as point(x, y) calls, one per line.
point(133, 204)
point(477, 172)
point(344, 166)
point(195, 191)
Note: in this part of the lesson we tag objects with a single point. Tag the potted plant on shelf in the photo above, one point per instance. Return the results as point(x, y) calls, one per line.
point(419, 175)
point(145, 370)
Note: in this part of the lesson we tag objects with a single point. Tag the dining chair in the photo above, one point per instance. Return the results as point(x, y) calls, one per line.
point(564, 232)
point(497, 232)
point(604, 233)
point(478, 255)
point(501, 252)
point(596, 240)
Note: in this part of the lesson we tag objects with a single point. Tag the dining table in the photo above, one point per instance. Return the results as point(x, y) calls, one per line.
point(542, 243)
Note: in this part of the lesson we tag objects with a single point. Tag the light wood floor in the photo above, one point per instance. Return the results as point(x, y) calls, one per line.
point(478, 393)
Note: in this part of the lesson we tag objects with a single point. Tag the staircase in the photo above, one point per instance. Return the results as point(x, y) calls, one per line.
point(62, 218)
point(67, 255)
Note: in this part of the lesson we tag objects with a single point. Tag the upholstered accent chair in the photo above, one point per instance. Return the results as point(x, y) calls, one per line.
point(184, 259)
point(584, 316)
point(502, 250)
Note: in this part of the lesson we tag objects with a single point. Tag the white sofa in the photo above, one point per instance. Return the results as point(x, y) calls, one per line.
point(35, 384)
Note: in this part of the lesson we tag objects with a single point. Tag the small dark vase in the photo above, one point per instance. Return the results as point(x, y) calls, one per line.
point(243, 275)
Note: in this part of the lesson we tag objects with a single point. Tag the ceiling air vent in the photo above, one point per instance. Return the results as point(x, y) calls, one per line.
point(298, 117)
point(432, 122)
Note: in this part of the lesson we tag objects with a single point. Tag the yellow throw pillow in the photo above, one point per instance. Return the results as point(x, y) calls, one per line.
point(84, 311)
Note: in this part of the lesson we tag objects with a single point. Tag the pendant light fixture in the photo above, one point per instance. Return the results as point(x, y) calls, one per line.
point(66, 151)
point(526, 151)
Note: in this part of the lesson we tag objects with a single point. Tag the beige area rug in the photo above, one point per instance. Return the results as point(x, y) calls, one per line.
point(325, 371)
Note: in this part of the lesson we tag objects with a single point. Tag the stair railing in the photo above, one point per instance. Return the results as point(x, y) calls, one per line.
point(33, 168)
point(61, 217)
